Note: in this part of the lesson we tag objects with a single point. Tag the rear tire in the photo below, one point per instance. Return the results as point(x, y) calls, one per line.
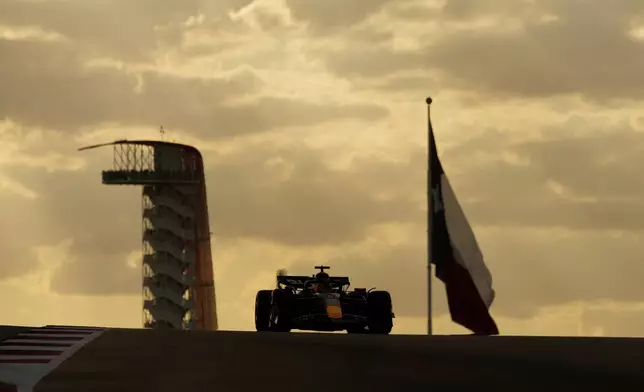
point(263, 301)
point(380, 312)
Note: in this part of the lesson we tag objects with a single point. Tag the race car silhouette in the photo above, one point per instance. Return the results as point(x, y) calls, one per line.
point(322, 303)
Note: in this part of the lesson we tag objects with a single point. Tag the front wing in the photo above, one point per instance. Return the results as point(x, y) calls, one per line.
point(321, 314)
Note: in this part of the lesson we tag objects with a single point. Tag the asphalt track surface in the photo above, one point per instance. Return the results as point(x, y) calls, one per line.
point(155, 360)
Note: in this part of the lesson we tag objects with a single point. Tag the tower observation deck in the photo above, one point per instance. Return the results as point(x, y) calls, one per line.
point(177, 271)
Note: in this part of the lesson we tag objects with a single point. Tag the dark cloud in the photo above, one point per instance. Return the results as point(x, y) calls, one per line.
point(584, 182)
point(601, 164)
point(119, 29)
point(407, 83)
point(369, 61)
point(290, 195)
point(270, 113)
point(545, 59)
point(542, 248)
point(52, 85)
point(538, 60)
point(55, 91)
point(323, 16)
point(103, 222)
point(468, 10)
point(269, 21)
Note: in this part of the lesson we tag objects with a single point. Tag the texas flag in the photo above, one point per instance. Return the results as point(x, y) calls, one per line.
point(456, 254)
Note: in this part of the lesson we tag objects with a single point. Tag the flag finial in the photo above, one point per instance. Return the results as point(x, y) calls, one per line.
point(429, 100)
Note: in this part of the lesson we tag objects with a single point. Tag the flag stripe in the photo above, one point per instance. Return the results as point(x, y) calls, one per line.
point(464, 246)
point(465, 303)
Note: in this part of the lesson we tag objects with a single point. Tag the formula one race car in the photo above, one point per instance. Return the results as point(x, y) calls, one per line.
point(322, 303)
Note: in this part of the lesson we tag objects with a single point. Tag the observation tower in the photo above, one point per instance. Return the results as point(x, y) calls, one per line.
point(177, 271)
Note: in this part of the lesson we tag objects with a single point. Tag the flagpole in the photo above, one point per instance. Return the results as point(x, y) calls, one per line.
point(429, 217)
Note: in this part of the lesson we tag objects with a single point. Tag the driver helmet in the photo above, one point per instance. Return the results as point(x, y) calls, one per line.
point(322, 277)
point(322, 281)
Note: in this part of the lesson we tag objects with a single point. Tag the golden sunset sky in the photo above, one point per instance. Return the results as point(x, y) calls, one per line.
point(310, 115)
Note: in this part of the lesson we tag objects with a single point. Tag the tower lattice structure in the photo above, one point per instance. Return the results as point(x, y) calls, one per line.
point(177, 270)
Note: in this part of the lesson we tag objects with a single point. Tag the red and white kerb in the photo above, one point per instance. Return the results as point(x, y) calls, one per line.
point(30, 355)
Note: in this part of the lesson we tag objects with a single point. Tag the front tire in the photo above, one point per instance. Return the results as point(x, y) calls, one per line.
point(263, 305)
point(279, 320)
point(380, 312)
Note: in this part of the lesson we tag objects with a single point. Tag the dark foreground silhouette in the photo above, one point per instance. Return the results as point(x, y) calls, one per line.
point(158, 360)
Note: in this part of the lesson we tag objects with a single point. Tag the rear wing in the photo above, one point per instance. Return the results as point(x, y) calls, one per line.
point(298, 281)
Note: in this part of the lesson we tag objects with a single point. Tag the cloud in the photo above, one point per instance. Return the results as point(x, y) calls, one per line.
point(22, 153)
point(89, 77)
point(7, 185)
point(43, 149)
point(615, 320)
point(391, 257)
point(524, 49)
point(291, 195)
point(103, 223)
point(115, 28)
point(99, 273)
point(532, 268)
point(333, 13)
point(558, 57)
point(299, 173)
point(407, 83)
point(56, 91)
point(584, 181)
point(19, 236)
point(558, 217)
